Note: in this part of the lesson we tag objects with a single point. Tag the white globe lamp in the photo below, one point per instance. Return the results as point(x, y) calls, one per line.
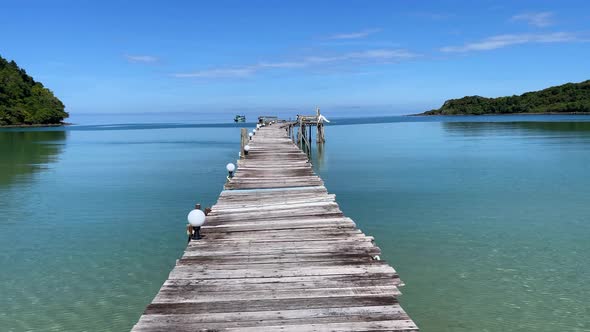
point(230, 169)
point(196, 218)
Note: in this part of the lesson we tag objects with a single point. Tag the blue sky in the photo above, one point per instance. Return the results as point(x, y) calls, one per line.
point(391, 56)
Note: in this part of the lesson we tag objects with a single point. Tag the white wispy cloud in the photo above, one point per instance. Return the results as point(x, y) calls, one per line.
point(141, 58)
point(538, 19)
point(500, 41)
point(355, 35)
point(376, 54)
point(360, 57)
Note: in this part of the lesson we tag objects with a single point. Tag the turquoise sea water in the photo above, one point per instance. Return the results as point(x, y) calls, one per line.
point(486, 218)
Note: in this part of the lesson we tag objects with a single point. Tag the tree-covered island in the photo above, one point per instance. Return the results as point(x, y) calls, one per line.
point(23, 101)
point(568, 98)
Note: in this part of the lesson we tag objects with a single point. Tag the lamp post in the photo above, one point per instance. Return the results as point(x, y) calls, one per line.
point(230, 169)
point(250, 135)
point(253, 131)
point(246, 149)
point(196, 218)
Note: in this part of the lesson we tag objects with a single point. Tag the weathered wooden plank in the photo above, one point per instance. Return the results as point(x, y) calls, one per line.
point(193, 295)
point(285, 317)
point(310, 246)
point(328, 212)
point(271, 197)
point(289, 233)
point(233, 261)
point(270, 193)
point(270, 176)
point(286, 225)
point(272, 184)
point(266, 320)
point(271, 304)
point(255, 238)
point(277, 199)
point(333, 281)
point(190, 272)
point(389, 325)
point(357, 240)
point(280, 256)
point(371, 251)
point(325, 202)
point(255, 264)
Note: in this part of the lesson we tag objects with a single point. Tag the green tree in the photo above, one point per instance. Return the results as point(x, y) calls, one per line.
point(567, 98)
point(25, 101)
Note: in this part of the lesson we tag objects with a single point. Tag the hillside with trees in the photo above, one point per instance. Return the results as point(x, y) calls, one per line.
point(566, 99)
point(23, 101)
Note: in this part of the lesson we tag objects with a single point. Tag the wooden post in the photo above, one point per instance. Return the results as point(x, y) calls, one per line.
point(303, 133)
point(320, 134)
point(244, 141)
point(321, 138)
point(299, 133)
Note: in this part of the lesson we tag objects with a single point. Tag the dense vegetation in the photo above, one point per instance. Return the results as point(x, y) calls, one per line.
point(567, 98)
point(24, 101)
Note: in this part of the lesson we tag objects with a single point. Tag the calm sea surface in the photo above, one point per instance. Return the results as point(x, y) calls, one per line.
point(487, 219)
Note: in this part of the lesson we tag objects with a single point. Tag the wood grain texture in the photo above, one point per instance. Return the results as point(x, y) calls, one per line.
point(278, 254)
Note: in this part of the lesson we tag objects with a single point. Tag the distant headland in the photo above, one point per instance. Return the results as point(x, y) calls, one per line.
point(570, 98)
point(25, 102)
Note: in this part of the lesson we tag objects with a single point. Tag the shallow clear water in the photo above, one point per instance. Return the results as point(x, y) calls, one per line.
point(486, 219)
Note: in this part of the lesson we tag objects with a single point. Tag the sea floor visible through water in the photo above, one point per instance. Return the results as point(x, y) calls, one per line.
point(484, 218)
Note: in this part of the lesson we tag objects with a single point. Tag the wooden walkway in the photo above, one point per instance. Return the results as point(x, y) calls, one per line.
point(278, 255)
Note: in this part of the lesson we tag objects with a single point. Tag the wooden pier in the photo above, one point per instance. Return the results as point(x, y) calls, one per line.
point(278, 254)
point(302, 124)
